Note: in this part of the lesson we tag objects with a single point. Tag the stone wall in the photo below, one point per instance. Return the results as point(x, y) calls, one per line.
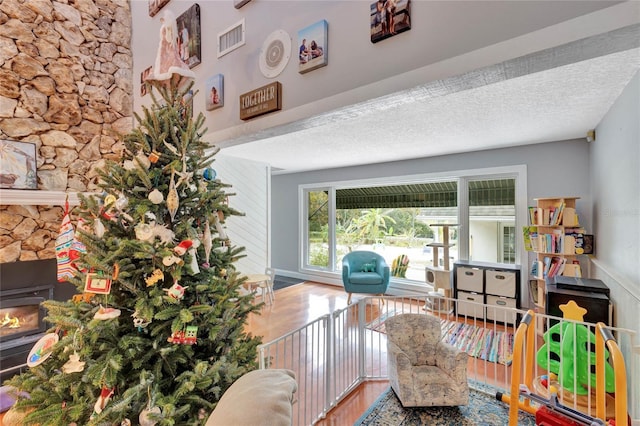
point(66, 85)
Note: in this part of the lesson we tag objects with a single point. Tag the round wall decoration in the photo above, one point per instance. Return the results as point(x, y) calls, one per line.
point(275, 53)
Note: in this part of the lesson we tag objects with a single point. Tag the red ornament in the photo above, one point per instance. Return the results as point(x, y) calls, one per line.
point(181, 248)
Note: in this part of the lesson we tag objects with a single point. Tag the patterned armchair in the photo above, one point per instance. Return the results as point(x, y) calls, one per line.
point(424, 371)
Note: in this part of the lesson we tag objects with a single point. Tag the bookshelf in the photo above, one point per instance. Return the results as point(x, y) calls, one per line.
point(557, 239)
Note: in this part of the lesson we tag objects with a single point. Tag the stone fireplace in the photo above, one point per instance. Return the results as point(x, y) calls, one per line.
point(23, 288)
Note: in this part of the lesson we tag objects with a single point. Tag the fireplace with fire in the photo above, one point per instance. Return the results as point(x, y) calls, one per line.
point(23, 288)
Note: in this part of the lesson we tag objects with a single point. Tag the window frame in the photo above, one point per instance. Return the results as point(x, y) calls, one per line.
point(517, 172)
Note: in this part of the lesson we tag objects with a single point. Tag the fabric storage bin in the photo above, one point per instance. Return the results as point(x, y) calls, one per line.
point(495, 311)
point(500, 283)
point(463, 307)
point(469, 279)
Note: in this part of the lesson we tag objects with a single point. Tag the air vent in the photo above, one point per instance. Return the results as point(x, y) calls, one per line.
point(231, 38)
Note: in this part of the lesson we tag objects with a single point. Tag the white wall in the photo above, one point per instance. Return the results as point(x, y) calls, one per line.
point(615, 188)
point(251, 185)
point(440, 30)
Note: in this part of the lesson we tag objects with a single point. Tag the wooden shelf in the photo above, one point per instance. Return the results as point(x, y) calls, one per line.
point(440, 245)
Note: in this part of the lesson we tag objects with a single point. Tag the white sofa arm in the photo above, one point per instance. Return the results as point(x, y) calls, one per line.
point(258, 398)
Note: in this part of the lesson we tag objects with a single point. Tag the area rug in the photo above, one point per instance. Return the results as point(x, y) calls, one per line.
point(479, 342)
point(483, 409)
point(280, 282)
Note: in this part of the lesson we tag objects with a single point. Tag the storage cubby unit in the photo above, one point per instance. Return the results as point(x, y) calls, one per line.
point(496, 285)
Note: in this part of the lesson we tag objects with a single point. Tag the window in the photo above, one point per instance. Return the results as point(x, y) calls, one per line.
point(492, 218)
point(317, 252)
point(396, 218)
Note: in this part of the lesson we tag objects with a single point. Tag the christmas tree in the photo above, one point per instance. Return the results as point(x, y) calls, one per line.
point(156, 334)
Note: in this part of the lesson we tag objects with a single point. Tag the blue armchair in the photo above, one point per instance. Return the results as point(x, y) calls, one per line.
point(364, 272)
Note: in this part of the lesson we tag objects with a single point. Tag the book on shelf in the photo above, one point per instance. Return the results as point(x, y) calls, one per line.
point(535, 215)
point(551, 216)
point(578, 239)
point(556, 216)
point(572, 270)
point(553, 265)
point(530, 236)
point(570, 217)
point(557, 266)
point(537, 269)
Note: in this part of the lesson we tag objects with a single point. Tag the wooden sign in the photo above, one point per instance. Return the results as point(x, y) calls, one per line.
point(261, 101)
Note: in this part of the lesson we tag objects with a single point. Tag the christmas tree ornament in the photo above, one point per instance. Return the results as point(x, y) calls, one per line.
point(150, 217)
point(106, 313)
point(64, 241)
point(109, 201)
point(173, 202)
point(97, 283)
point(105, 395)
point(145, 416)
point(176, 291)
point(182, 248)
point(171, 260)
point(98, 228)
point(144, 232)
point(115, 272)
point(122, 202)
point(193, 263)
point(209, 174)
point(83, 297)
point(156, 276)
point(129, 165)
point(187, 336)
point(222, 234)
point(220, 214)
point(77, 247)
point(184, 177)
point(42, 349)
point(125, 422)
point(139, 321)
point(74, 365)
point(154, 156)
point(165, 234)
point(143, 160)
point(155, 196)
point(207, 242)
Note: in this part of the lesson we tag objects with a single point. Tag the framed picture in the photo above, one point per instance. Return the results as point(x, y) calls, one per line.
point(97, 283)
point(388, 18)
point(214, 92)
point(239, 3)
point(18, 167)
point(156, 5)
point(312, 50)
point(189, 38)
point(143, 76)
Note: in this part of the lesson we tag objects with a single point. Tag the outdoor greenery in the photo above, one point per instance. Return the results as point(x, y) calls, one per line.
point(396, 226)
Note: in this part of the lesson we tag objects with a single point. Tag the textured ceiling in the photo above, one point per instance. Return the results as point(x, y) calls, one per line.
point(553, 95)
